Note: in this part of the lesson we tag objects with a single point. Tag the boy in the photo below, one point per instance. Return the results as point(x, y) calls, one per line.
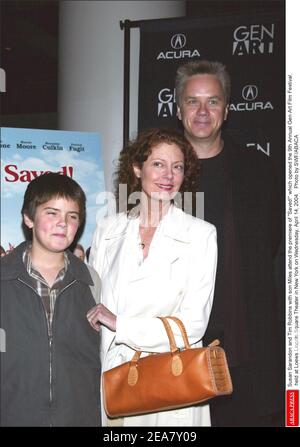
point(50, 372)
point(79, 252)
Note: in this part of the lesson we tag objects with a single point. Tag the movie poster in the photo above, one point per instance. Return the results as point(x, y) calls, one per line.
point(28, 153)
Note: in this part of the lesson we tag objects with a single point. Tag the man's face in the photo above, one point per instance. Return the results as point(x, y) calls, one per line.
point(202, 108)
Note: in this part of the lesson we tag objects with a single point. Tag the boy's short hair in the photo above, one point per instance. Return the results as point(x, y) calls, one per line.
point(48, 186)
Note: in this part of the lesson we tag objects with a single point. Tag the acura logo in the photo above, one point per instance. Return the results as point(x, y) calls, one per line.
point(178, 41)
point(250, 92)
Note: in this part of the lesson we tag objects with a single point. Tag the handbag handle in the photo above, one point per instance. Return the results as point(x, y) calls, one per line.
point(176, 364)
point(184, 334)
point(171, 335)
point(182, 330)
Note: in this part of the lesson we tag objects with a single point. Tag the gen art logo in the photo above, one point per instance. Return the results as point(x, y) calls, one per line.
point(166, 107)
point(263, 147)
point(253, 39)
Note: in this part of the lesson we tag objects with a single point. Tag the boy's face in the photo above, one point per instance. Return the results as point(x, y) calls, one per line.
point(79, 253)
point(55, 224)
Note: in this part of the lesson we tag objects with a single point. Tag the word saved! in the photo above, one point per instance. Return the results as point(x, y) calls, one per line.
point(14, 175)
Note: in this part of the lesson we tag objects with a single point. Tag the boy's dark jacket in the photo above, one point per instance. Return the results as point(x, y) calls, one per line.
point(28, 366)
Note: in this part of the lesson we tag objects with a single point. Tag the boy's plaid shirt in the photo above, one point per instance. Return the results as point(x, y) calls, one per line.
point(48, 294)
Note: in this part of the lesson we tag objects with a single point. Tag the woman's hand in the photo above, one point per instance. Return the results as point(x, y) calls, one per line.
point(101, 315)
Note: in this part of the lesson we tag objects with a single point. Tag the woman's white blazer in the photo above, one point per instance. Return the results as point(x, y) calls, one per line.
point(179, 281)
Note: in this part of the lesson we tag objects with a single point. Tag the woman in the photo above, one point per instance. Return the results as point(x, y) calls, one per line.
point(154, 260)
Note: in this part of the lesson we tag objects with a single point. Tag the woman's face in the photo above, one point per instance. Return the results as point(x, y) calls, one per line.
point(162, 173)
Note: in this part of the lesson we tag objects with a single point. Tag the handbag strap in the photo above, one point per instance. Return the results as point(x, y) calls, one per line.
point(176, 364)
point(184, 334)
point(182, 330)
point(171, 335)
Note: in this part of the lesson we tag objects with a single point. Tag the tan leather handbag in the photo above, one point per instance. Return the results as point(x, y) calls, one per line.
point(167, 380)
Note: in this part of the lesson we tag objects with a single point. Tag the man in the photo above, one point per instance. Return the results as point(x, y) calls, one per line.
point(241, 199)
point(50, 369)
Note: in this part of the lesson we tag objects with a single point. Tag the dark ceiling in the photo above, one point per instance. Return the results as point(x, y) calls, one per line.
point(29, 55)
point(29, 47)
point(198, 8)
